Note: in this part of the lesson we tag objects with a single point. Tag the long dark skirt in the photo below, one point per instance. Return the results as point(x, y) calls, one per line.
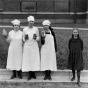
point(75, 60)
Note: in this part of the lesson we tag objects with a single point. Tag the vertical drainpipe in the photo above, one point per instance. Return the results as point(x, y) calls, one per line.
point(75, 11)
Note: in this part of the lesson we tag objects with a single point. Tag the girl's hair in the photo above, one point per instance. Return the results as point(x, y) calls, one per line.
point(77, 30)
point(50, 28)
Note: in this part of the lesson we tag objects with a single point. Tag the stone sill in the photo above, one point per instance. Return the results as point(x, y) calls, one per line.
point(78, 13)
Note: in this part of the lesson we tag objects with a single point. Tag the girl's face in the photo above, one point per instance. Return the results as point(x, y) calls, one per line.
point(31, 23)
point(75, 33)
point(16, 27)
point(46, 27)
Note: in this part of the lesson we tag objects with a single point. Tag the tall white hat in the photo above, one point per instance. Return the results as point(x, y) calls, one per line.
point(15, 22)
point(31, 18)
point(46, 22)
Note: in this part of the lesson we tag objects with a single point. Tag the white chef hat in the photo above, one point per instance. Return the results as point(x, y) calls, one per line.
point(15, 22)
point(31, 18)
point(46, 22)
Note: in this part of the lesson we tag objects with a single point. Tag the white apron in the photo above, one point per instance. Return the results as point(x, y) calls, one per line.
point(48, 56)
point(31, 58)
point(14, 59)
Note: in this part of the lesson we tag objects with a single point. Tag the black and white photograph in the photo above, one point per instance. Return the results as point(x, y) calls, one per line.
point(43, 43)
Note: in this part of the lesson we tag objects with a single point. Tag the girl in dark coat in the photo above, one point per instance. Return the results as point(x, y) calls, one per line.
point(75, 60)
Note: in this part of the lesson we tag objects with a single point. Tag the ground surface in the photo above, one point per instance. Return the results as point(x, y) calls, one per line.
point(41, 85)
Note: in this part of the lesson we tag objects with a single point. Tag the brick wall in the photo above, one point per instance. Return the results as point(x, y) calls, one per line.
point(11, 5)
point(81, 5)
point(87, 13)
point(43, 6)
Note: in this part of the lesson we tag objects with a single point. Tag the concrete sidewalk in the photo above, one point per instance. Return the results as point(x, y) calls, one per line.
point(58, 76)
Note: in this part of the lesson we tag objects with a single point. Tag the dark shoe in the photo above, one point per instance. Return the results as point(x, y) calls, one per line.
point(45, 78)
point(13, 76)
point(19, 75)
point(78, 82)
point(29, 78)
point(49, 75)
point(73, 78)
point(78, 77)
point(49, 78)
point(33, 75)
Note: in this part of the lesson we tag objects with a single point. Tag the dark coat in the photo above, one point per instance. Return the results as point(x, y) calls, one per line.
point(75, 59)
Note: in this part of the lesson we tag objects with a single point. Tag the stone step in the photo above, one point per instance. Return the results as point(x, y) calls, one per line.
point(41, 73)
point(58, 76)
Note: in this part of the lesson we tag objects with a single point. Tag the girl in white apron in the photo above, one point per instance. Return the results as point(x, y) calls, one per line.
point(14, 59)
point(31, 58)
point(48, 50)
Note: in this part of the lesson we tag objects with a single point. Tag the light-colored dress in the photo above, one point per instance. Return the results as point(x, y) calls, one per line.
point(31, 57)
point(48, 55)
point(14, 60)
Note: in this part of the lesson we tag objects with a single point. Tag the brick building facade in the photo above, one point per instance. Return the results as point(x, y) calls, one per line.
point(58, 11)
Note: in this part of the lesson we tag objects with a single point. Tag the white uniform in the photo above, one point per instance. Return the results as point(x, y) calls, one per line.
point(31, 57)
point(48, 56)
point(14, 60)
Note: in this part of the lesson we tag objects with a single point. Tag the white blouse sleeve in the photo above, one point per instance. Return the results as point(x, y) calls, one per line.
point(23, 34)
point(37, 32)
point(9, 37)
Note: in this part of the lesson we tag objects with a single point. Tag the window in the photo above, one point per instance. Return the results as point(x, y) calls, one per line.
point(28, 6)
point(45, 5)
point(1, 5)
point(61, 5)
